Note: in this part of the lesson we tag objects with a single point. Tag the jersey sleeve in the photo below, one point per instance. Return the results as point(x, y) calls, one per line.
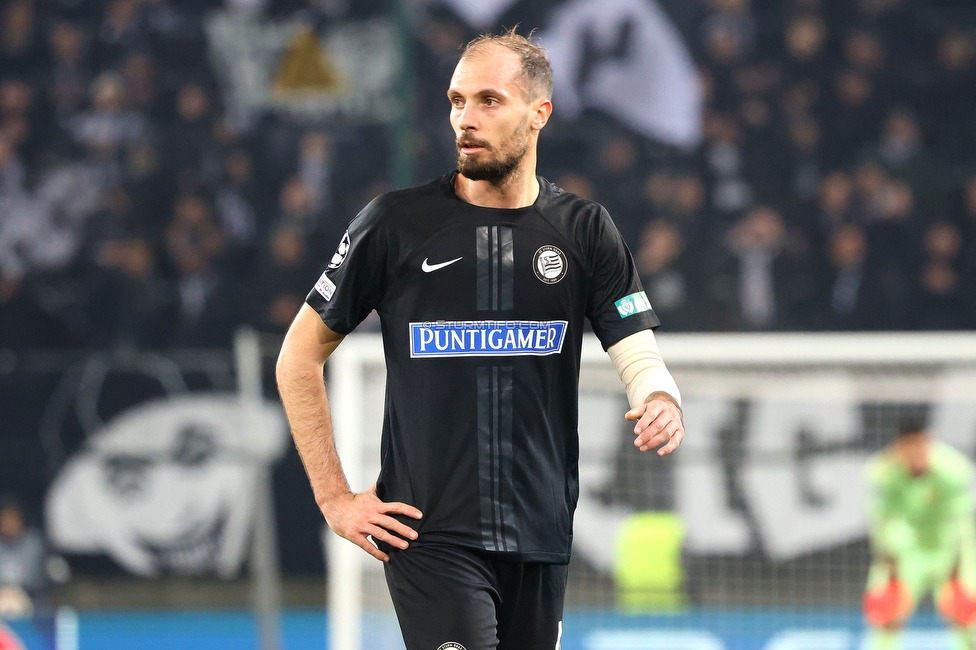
point(616, 303)
point(355, 281)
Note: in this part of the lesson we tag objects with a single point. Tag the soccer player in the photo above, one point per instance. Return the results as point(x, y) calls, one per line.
point(922, 538)
point(482, 280)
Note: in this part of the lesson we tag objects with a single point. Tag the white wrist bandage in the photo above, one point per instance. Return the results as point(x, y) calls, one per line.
point(640, 366)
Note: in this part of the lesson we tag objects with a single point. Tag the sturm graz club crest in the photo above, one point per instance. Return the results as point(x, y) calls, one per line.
point(451, 645)
point(549, 264)
point(340, 254)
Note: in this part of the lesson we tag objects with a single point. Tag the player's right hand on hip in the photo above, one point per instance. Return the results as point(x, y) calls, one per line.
point(357, 517)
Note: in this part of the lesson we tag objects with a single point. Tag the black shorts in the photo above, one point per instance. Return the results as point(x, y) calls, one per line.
point(450, 597)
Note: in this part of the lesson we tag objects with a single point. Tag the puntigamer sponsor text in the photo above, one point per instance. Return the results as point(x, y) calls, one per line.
point(486, 337)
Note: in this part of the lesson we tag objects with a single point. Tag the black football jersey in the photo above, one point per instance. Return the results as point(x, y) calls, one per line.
point(482, 314)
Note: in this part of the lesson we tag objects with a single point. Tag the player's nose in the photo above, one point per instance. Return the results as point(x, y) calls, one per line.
point(467, 118)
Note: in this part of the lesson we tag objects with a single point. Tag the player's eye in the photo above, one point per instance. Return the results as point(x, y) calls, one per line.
point(456, 101)
point(491, 101)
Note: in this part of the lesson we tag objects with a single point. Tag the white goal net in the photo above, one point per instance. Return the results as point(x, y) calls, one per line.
point(757, 522)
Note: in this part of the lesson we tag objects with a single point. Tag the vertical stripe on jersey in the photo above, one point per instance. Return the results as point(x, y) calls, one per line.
point(495, 267)
point(495, 259)
point(495, 458)
point(507, 249)
point(484, 269)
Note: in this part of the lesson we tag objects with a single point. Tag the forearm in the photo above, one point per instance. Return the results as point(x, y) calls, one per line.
point(639, 364)
point(299, 372)
point(304, 398)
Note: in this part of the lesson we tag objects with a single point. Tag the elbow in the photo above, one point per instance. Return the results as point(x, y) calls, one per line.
point(298, 361)
point(281, 368)
point(285, 365)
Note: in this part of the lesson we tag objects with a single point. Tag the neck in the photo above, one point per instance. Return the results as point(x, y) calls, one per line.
point(519, 189)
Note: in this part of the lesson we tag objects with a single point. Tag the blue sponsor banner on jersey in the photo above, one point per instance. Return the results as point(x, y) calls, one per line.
point(487, 338)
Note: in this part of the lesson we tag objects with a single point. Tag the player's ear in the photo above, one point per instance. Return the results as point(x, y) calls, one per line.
point(543, 109)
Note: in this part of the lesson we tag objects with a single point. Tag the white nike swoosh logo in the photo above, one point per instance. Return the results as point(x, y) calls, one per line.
point(433, 267)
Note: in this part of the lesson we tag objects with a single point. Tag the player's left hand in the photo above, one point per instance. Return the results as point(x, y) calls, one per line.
point(658, 422)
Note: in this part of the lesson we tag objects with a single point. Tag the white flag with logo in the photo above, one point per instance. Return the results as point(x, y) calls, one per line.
point(626, 58)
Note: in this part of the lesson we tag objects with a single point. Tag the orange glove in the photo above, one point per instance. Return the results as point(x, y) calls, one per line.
point(888, 604)
point(957, 604)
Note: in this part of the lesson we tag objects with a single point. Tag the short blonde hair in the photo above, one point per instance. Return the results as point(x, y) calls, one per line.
point(536, 69)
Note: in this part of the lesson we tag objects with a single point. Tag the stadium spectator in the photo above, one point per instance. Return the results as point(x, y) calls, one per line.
point(893, 231)
point(836, 205)
point(805, 37)
point(859, 295)
point(139, 74)
point(852, 115)
point(902, 152)
point(69, 75)
point(724, 160)
point(18, 116)
point(296, 207)
point(120, 33)
point(729, 31)
point(22, 563)
point(944, 292)
point(128, 303)
point(949, 92)
point(192, 153)
point(109, 126)
point(659, 191)
point(175, 33)
point(804, 170)
point(285, 274)
point(756, 275)
point(666, 275)
point(315, 168)
point(209, 308)
point(237, 200)
point(688, 209)
point(21, 52)
point(148, 188)
point(13, 174)
point(964, 217)
point(620, 178)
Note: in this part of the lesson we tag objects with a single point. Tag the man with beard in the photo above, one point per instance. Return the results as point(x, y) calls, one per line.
point(482, 280)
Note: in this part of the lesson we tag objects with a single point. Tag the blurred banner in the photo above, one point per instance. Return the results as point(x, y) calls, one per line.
point(166, 487)
point(147, 458)
point(773, 462)
point(343, 72)
point(622, 57)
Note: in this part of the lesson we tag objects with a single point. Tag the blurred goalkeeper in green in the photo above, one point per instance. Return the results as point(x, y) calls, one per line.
point(922, 537)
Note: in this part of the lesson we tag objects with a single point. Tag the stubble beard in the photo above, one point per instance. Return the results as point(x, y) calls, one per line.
point(498, 168)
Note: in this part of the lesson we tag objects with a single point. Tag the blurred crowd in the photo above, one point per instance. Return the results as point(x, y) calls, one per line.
point(132, 211)
point(834, 188)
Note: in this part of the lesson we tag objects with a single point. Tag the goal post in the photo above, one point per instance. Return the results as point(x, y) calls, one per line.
point(767, 485)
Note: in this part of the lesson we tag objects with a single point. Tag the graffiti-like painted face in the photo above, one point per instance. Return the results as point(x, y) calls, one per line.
point(168, 486)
